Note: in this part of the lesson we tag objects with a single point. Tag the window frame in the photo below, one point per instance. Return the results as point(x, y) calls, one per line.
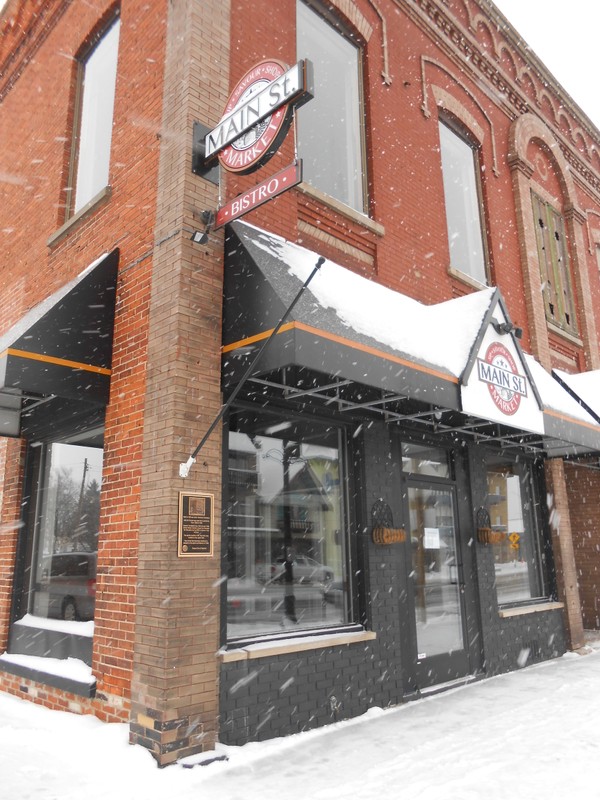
point(33, 505)
point(72, 208)
point(352, 605)
point(558, 264)
point(462, 134)
point(529, 473)
point(332, 21)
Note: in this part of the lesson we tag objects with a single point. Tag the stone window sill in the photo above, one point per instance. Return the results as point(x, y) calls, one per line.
point(102, 195)
point(46, 678)
point(463, 277)
point(518, 611)
point(573, 338)
point(295, 645)
point(341, 208)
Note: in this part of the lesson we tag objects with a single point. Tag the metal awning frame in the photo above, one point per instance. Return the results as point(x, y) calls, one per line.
point(431, 419)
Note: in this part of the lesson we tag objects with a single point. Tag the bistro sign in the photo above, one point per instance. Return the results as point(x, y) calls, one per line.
point(257, 195)
point(258, 114)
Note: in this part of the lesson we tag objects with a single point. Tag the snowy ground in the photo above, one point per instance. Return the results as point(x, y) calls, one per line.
point(528, 735)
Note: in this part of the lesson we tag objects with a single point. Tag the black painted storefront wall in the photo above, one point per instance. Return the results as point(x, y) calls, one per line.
point(284, 694)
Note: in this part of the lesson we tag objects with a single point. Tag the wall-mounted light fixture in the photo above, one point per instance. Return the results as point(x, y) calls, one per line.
point(208, 220)
point(507, 327)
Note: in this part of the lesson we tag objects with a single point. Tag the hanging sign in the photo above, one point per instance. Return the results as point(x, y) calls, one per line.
point(259, 194)
point(196, 528)
point(258, 114)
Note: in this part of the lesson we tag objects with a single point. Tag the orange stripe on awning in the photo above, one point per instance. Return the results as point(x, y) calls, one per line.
point(332, 337)
point(61, 362)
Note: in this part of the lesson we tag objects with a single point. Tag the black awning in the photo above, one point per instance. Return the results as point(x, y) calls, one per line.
point(259, 288)
point(333, 355)
point(63, 346)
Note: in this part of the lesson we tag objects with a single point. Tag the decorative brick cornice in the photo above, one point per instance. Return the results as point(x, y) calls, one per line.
point(516, 163)
point(470, 51)
point(21, 35)
point(463, 47)
point(571, 212)
point(585, 173)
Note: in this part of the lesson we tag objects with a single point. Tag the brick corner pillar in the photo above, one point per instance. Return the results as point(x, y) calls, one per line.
point(564, 553)
point(175, 680)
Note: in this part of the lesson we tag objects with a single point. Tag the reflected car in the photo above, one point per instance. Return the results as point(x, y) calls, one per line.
point(69, 579)
point(305, 570)
point(334, 593)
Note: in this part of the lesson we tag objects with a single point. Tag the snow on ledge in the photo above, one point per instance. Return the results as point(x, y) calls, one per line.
point(295, 645)
point(71, 668)
point(60, 625)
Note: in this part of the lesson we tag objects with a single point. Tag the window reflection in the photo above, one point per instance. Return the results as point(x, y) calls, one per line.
point(425, 460)
point(285, 554)
point(64, 563)
point(463, 205)
point(517, 558)
point(98, 80)
point(330, 127)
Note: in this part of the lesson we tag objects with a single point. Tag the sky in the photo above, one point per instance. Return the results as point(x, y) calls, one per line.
point(564, 35)
point(528, 735)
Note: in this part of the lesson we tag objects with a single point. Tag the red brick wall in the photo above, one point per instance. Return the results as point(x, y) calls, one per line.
point(11, 473)
point(583, 486)
point(35, 119)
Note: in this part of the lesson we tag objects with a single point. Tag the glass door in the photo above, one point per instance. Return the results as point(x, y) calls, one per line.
point(436, 583)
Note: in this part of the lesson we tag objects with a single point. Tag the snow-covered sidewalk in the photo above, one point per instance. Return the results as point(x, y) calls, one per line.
point(523, 736)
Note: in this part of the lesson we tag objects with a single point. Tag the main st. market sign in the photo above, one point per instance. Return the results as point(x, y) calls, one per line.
point(255, 122)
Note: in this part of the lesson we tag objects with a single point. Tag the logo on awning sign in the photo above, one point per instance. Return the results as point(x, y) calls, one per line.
point(499, 370)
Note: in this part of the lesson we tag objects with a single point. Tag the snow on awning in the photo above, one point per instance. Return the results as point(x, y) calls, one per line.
point(344, 325)
point(569, 428)
point(62, 347)
point(445, 360)
point(584, 387)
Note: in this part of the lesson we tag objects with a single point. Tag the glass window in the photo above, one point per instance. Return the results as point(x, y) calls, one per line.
point(518, 558)
point(460, 169)
point(554, 265)
point(97, 95)
point(421, 459)
point(285, 555)
point(67, 507)
point(330, 126)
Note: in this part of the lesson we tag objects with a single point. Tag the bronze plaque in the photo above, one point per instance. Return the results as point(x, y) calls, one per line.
point(196, 530)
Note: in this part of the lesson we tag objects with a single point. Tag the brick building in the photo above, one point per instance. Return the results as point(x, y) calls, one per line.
point(403, 493)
